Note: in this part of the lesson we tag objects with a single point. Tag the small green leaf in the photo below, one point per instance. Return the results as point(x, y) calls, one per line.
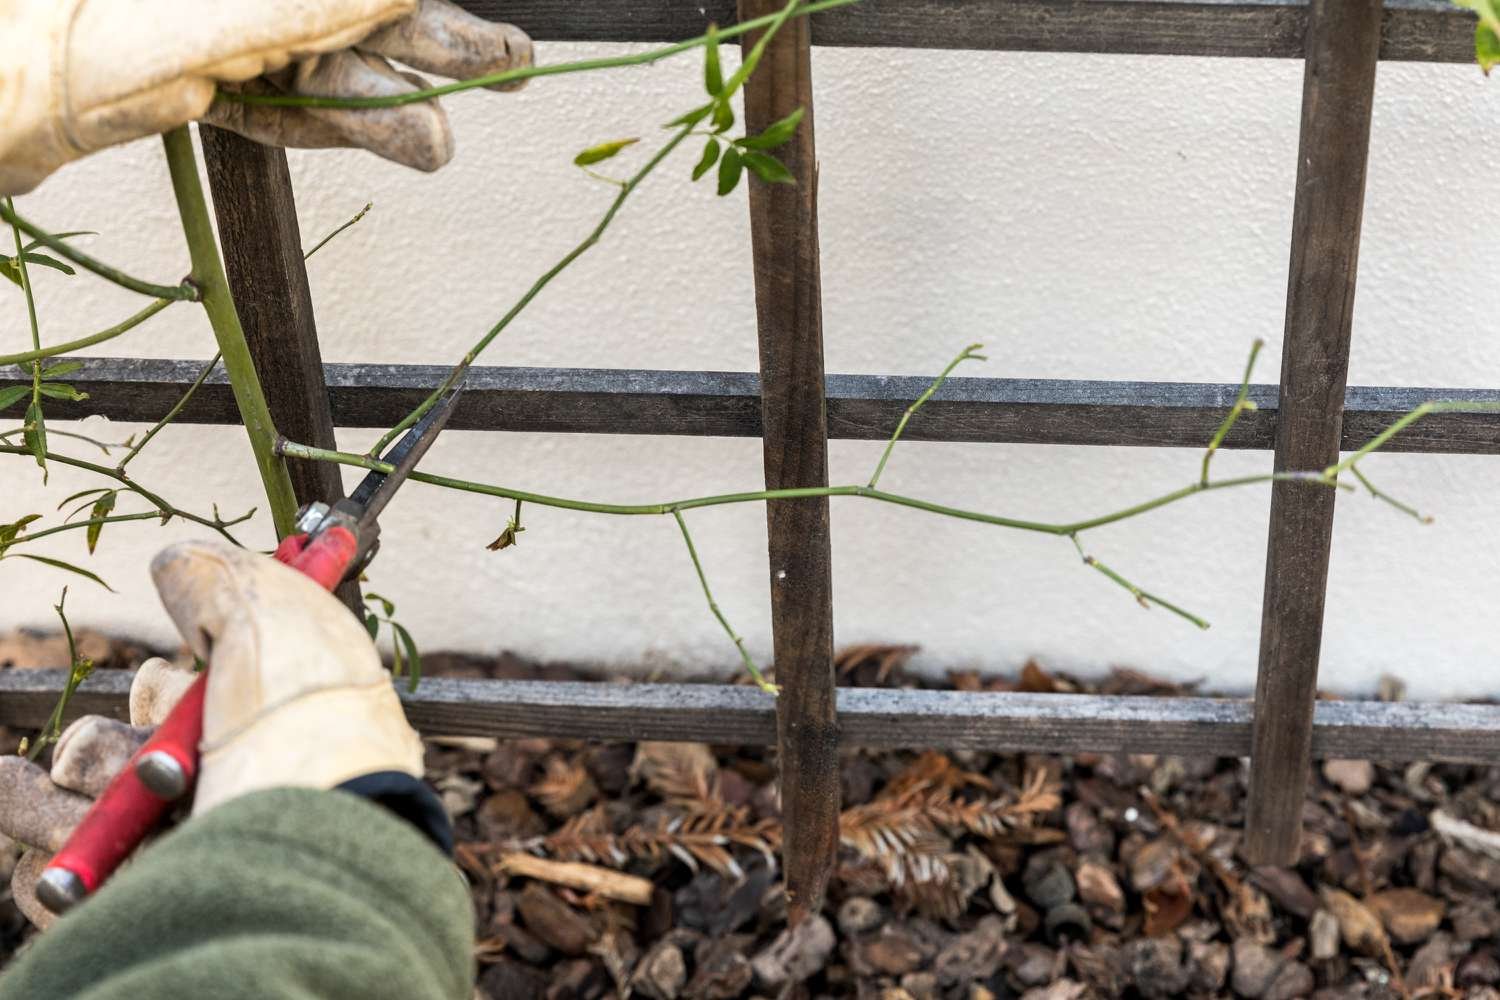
point(35, 437)
point(1486, 47)
point(723, 117)
point(413, 658)
point(9, 270)
point(730, 167)
point(57, 390)
point(692, 117)
point(58, 371)
point(60, 236)
point(102, 507)
point(775, 134)
point(603, 151)
point(713, 76)
point(768, 168)
point(710, 157)
point(13, 394)
point(10, 532)
point(59, 564)
point(372, 624)
point(81, 494)
point(45, 261)
point(386, 604)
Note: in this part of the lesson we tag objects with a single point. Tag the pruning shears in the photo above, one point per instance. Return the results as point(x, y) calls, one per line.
point(331, 543)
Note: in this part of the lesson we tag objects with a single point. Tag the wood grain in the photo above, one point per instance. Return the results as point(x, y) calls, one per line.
point(868, 717)
point(262, 244)
point(1413, 30)
point(789, 320)
point(727, 404)
point(1337, 96)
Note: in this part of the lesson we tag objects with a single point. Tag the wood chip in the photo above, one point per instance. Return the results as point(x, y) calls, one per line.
point(1409, 915)
point(576, 875)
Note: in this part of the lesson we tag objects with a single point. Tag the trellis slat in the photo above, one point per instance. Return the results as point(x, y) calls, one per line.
point(789, 321)
point(1414, 30)
point(1337, 98)
point(868, 717)
point(727, 404)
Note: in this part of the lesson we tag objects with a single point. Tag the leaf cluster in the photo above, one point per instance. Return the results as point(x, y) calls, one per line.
point(405, 657)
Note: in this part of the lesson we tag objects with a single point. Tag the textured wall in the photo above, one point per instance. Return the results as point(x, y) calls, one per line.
point(1084, 216)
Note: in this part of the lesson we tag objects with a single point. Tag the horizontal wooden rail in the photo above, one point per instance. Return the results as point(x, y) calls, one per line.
point(1413, 30)
point(727, 404)
point(869, 717)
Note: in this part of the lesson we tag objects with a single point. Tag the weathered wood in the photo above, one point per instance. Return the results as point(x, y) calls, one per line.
point(1420, 30)
point(1337, 96)
point(727, 404)
point(257, 216)
point(789, 320)
point(868, 717)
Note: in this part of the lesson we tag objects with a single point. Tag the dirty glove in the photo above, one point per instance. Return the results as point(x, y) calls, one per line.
point(79, 75)
point(40, 810)
point(297, 696)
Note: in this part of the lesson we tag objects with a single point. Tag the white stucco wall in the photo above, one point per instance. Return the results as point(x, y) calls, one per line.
point(1084, 216)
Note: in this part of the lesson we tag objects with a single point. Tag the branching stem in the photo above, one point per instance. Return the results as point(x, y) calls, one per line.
point(124, 326)
point(1144, 598)
point(1242, 404)
point(171, 415)
point(183, 291)
point(967, 354)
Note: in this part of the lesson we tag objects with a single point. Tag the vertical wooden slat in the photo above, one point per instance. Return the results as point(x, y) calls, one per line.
point(788, 300)
point(1343, 43)
point(262, 246)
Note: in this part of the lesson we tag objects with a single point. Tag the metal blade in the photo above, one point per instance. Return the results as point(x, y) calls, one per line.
point(376, 489)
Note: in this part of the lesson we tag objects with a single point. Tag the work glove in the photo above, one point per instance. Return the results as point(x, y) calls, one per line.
point(297, 696)
point(79, 75)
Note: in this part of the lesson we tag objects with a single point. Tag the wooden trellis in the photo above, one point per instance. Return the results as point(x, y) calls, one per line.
point(796, 409)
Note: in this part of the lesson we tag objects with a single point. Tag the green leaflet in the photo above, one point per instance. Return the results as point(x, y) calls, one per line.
point(709, 158)
point(601, 152)
point(730, 168)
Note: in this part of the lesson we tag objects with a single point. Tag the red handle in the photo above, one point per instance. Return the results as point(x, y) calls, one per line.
point(127, 811)
point(121, 817)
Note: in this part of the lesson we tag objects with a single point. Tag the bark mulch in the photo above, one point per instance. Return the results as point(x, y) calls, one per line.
point(649, 870)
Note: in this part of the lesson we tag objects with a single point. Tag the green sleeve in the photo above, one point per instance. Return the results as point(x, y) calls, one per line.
point(289, 894)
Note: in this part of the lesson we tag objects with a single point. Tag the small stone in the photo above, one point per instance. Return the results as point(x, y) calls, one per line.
point(1047, 882)
point(1409, 915)
point(1086, 833)
point(1353, 777)
point(1098, 886)
point(1472, 869)
point(1293, 980)
point(507, 815)
point(1208, 966)
point(661, 973)
point(920, 985)
point(1255, 966)
point(796, 954)
point(859, 914)
point(1062, 989)
point(1428, 965)
point(1287, 888)
point(1360, 929)
point(723, 972)
point(507, 979)
point(1156, 966)
point(1477, 968)
point(1033, 964)
point(1323, 935)
point(1473, 921)
point(972, 956)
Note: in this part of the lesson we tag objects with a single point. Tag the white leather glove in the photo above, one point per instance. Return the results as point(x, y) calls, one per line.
point(297, 697)
point(79, 75)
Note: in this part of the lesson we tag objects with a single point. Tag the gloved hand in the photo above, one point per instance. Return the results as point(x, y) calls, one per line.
point(40, 810)
point(297, 696)
point(79, 75)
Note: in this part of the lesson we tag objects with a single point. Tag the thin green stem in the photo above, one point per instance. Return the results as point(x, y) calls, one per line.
point(172, 413)
point(78, 671)
point(36, 332)
point(739, 643)
point(165, 510)
point(218, 303)
point(74, 525)
point(103, 446)
point(536, 287)
point(183, 291)
point(1445, 406)
point(1379, 494)
point(525, 72)
point(965, 355)
point(110, 333)
point(1242, 404)
point(1143, 597)
point(292, 449)
point(324, 241)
